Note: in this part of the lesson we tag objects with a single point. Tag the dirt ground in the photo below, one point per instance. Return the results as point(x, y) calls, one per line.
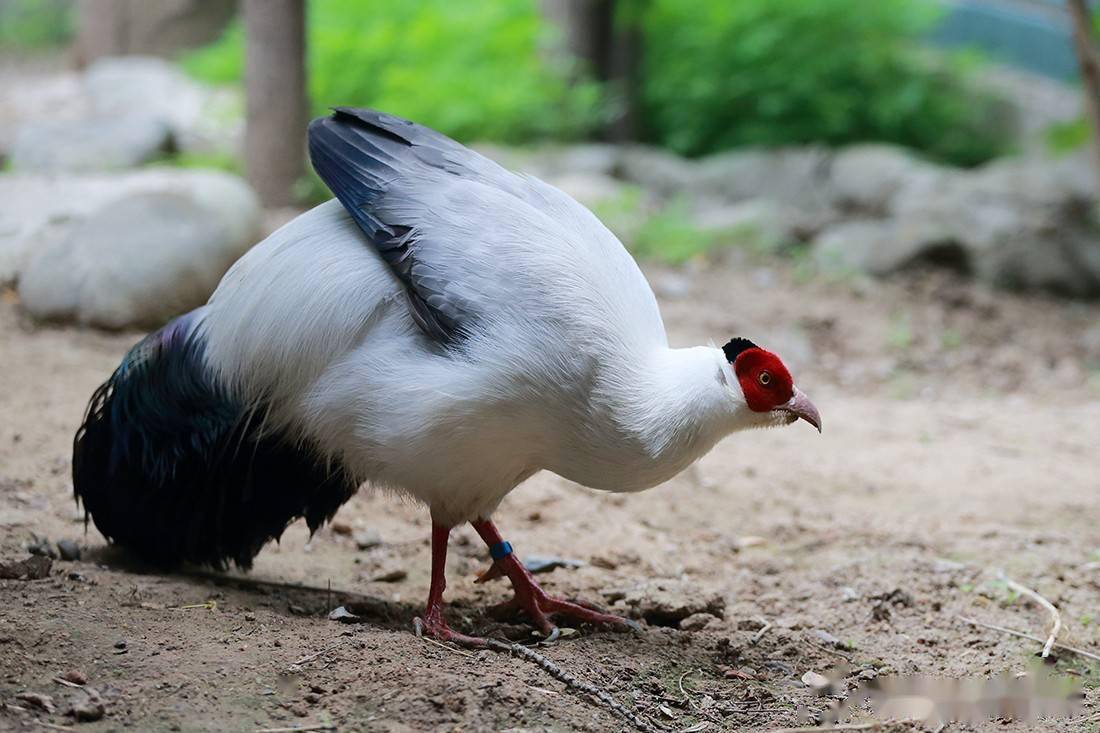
point(960, 439)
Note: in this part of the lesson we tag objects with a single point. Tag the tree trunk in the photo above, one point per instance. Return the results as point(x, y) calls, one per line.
point(609, 48)
point(277, 107)
point(1090, 71)
point(102, 29)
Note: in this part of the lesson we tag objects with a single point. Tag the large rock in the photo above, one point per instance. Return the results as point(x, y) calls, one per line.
point(869, 179)
point(114, 92)
point(90, 145)
point(795, 176)
point(136, 250)
point(664, 173)
point(1019, 224)
point(761, 224)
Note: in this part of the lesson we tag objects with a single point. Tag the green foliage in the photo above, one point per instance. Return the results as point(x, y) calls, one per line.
point(1065, 137)
point(470, 70)
point(35, 23)
point(217, 161)
point(721, 74)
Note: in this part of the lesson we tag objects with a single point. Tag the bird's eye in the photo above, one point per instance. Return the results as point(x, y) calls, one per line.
point(765, 379)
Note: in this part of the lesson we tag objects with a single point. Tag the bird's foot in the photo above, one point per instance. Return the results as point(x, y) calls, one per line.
point(434, 627)
point(540, 606)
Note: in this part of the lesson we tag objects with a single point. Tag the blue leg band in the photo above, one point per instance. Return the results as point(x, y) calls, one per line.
point(500, 550)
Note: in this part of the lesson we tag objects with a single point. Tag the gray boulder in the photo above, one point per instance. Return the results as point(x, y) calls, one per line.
point(761, 224)
point(1018, 224)
point(869, 179)
point(88, 145)
point(795, 176)
point(154, 249)
point(200, 119)
point(659, 171)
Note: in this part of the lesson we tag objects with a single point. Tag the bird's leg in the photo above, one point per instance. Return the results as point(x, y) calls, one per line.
point(432, 622)
point(530, 597)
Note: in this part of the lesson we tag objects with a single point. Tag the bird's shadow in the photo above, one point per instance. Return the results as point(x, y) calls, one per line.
point(298, 600)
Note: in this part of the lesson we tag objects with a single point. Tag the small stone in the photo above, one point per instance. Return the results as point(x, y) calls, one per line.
point(120, 645)
point(943, 565)
point(69, 550)
point(36, 699)
point(391, 576)
point(250, 616)
point(743, 543)
point(546, 563)
point(697, 622)
point(601, 561)
point(89, 709)
point(750, 624)
point(75, 676)
point(365, 539)
point(341, 528)
point(815, 680)
point(340, 614)
point(41, 547)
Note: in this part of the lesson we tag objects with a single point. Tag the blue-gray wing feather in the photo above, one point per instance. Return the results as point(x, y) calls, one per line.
point(361, 154)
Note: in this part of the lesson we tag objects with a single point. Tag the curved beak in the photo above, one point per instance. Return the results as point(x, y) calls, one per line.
point(800, 407)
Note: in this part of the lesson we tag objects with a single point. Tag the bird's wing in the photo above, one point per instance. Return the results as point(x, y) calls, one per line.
point(393, 176)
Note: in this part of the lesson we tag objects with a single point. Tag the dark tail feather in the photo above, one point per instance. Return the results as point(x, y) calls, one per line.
point(171, 466)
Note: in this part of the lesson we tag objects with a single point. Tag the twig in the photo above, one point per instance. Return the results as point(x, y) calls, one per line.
point(530, 655)
point(209, 605)
point(1056, 618)
point(62, 681)
point(1022, 635)
point(311, 657)
point(763, 630)
point(315, 726)
point(52, 726)
point(448, 648)
point(843, 726)
point(680, 684)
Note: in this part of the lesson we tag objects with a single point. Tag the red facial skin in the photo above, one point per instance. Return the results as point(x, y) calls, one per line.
point(764, 379)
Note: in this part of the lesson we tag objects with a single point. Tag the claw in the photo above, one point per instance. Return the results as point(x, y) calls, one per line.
point(492, 573)
point(555, 634)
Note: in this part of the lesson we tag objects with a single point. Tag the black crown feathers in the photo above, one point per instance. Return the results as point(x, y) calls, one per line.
point(735, 347)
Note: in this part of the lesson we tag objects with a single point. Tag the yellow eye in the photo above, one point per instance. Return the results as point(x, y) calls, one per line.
point(765, 379)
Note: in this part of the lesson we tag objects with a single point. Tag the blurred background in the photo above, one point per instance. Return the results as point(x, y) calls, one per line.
point(850, 139)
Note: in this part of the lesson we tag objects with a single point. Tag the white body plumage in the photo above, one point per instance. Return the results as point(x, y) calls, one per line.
point(574, 375)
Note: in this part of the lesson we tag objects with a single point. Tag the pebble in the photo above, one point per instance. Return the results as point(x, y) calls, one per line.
point(340, 528)
point(120, 645)
point(367, 538)
point(391, 576)
point(697, 621)
point(69, 550)
point(815, 680)
point(42, 546)
point(75, 676)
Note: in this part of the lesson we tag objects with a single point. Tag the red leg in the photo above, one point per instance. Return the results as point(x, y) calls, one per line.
point(531, 598)
point(432, 623)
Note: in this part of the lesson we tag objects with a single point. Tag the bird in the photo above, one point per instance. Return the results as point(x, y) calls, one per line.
point(444, 329)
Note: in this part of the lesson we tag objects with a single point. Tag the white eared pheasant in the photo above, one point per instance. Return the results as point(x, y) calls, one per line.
point(445, 329)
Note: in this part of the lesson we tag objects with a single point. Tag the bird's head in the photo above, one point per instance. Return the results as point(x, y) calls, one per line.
point(767, 387)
